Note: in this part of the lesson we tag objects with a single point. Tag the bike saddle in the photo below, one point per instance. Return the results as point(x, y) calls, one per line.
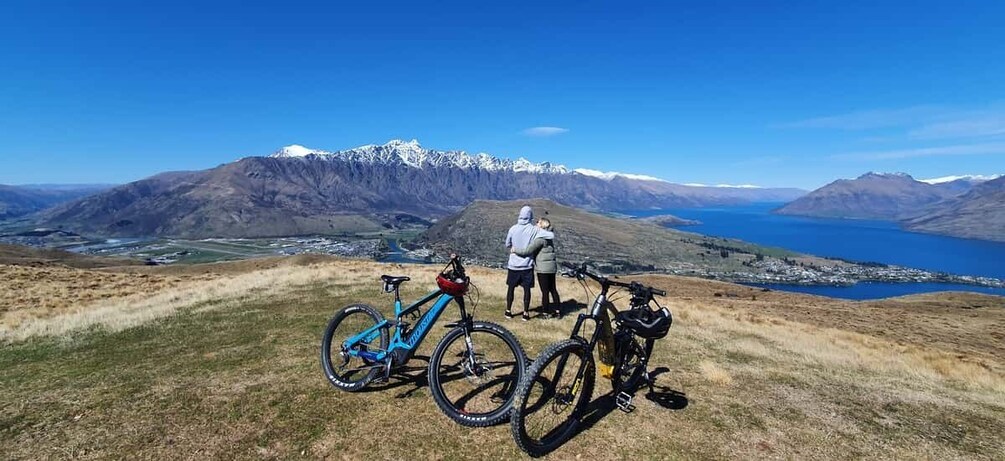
point(394, 280)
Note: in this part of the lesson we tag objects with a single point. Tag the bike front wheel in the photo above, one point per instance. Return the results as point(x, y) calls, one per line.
point(474, 382)
point(343, 366)
point(553, 397)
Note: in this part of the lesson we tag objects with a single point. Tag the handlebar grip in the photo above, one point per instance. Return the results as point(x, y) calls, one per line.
point(659, 292)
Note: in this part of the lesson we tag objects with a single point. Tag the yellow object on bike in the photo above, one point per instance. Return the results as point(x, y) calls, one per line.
point(606, 343)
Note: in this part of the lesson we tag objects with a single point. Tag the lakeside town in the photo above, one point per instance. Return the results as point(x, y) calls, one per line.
point(763, 270)
point(771, 270)
point(781, 271)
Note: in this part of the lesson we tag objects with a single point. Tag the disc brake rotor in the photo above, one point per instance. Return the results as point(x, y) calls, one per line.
point(479, 373)
point(563, 398)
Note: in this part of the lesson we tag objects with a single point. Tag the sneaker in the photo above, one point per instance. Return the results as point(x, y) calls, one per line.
point(508, 314)
point(525, 316)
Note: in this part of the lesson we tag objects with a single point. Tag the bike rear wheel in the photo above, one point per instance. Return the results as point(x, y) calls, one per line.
point(631, 365)
point(550, 401)
point(344, 370)
point(475, 384)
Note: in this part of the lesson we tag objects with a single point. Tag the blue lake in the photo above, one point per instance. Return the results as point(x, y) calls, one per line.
point(396, 254)
point(858, 240)
point(869, 290)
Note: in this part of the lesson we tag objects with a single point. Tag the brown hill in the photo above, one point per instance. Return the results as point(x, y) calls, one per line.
point(618, 244)
point(979, 214)
point(17, 255)
point(21, 200)
point(870, 196)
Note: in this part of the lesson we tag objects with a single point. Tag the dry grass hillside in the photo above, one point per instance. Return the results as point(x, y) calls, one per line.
point(223, 364)
point(18, 255)
point(622, 244)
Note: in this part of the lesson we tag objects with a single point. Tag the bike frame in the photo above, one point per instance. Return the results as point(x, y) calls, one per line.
point(401, 348)
point(598, 315)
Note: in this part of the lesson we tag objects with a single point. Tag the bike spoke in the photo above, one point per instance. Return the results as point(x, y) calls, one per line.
point(480, 382)
point(548, 407)
point(347, 366)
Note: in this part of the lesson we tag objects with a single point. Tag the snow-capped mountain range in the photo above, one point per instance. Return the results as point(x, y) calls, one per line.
point(970, 178)
point(301, 191)
point(974, 178)
point(411, 153)
point(609, 175)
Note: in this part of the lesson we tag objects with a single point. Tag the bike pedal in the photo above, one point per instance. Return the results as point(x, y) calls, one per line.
point(387, 372)
point(624, 402)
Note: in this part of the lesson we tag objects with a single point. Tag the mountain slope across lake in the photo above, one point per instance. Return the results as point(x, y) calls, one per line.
point(18, 201)
point(979, 214)
point(870, 196)
point(968, 206)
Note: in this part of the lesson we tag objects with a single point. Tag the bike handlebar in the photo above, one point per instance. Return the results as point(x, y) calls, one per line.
point(636, 288)
point(658, 292)
point(455, 261)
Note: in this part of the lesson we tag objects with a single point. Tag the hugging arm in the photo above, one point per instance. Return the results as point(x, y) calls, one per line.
point(534, 247)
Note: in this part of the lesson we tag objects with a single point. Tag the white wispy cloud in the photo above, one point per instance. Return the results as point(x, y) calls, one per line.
point(544, 131)
point(977, 125)
point(915, 123)
point(759, 161)
point(873, 119)
point(995, 148)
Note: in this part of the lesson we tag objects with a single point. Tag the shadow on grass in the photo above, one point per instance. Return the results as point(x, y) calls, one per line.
point(599, 408)
point(566, 307)
point(665, 396)
point(662, 396)
point(415, 376)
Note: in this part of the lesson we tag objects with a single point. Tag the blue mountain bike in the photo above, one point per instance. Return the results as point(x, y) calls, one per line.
point(473, 372)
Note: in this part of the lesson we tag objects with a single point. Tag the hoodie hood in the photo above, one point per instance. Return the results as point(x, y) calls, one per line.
point(526, 215)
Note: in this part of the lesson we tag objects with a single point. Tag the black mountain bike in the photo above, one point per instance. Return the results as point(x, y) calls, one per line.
point(553, 395)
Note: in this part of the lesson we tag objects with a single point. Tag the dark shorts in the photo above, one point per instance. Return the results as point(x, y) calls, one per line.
point(524, 278)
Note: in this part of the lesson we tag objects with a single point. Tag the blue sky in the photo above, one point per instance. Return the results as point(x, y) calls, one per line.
point(768, 93)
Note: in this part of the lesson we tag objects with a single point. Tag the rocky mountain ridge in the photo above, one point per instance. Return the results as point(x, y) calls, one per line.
point(298, 191)
point(16, 201)
point(962, 206)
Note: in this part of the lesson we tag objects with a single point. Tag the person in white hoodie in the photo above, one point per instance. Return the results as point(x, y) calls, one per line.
point(521, 268)
point(546, 266)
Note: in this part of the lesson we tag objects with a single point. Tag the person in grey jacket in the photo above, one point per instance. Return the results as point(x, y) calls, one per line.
point(521, 268)
point(542, 248)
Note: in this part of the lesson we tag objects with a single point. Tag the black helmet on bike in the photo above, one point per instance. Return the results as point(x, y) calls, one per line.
point(646, 323)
